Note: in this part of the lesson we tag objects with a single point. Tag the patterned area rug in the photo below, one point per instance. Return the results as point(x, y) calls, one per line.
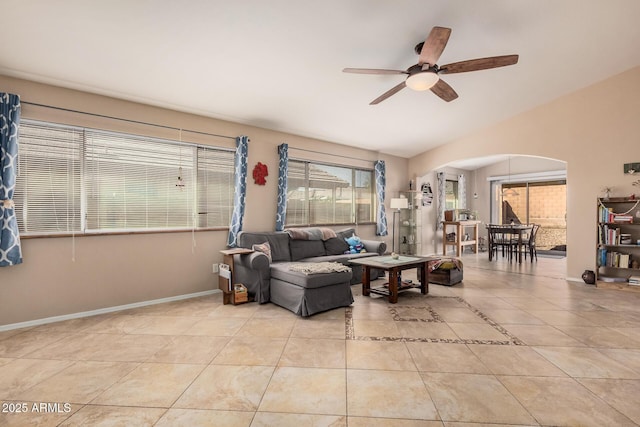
point(426, 314)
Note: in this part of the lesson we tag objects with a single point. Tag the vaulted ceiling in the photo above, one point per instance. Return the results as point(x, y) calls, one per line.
point(278, 64)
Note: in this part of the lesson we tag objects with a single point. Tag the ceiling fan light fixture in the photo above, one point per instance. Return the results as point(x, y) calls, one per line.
point(421, 81)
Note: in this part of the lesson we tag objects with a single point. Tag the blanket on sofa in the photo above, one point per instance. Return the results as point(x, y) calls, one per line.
point(318, 267)
point(445, 264)
point(316, 233)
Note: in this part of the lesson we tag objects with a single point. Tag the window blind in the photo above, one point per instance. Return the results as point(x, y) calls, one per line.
point(364, 197)
point(132, 183)
point(215, 185)
point(328, 194)
point(297, 195)
point(75, 180)
point(48, 186)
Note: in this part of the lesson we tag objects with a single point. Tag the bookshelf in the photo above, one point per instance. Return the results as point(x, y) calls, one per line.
point(618, 251)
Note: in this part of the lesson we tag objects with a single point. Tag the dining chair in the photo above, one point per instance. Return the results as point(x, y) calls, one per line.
point(529, 244)
point(499, 238)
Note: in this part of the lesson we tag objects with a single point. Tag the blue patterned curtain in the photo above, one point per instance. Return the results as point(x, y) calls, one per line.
point(240, 172)
point(381, 183)
point(10, 251)
point(441, 199)
point(283, 171)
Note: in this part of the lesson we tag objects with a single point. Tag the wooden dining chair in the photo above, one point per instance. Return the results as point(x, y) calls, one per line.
point(499, 239)
point(529, 244)
point(491, 247)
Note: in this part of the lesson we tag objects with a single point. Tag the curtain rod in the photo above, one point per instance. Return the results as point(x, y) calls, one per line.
point(126, 120)
point(328, 154)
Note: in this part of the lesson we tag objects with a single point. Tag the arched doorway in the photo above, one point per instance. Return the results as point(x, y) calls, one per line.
point(539, 184)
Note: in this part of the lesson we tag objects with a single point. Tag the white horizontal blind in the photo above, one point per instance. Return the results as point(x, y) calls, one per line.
point(132, 183)
point(74, 180)
point(365, 202)
point(330, 194)
point(297, 200)
point(47, 195)
point(215, 187)
point(327, 194)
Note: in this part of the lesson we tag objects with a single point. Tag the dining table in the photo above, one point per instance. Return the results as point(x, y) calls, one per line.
point(514, 233)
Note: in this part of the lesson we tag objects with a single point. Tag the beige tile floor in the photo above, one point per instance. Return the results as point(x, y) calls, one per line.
point(512, 345)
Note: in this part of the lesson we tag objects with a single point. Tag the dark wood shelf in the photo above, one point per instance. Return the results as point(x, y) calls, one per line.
point(619, 268)
point(626, 206)
point(618, 200)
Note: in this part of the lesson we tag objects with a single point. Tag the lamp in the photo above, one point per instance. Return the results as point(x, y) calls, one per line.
point(424, 80)
point(397, 204)
point(509, 191)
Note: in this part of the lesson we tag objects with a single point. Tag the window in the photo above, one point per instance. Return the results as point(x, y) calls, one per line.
point(75, 180)
point(327, 194)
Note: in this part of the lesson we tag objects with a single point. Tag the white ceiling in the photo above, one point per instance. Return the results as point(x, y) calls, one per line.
point(278, 64)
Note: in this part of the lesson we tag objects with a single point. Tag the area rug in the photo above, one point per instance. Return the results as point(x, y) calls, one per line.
point(425, 313)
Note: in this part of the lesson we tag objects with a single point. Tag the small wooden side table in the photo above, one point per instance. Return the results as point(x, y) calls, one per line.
point(224, 284)
point(459, 243)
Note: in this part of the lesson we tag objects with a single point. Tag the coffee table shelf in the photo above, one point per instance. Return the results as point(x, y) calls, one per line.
point(384, 290)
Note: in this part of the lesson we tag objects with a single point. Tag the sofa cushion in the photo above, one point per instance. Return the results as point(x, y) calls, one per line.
point(278, 241)
point(346, 233)
point(335, 246)
point(306, 248)
point(281, 271)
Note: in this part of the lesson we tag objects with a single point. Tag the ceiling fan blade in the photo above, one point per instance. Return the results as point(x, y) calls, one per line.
point(372, 71)
point(434, 45)
point(397, 88)
point(479, 64)
point(444, 91)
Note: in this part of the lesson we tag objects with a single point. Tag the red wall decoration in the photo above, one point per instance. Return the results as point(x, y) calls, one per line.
point(260, 171)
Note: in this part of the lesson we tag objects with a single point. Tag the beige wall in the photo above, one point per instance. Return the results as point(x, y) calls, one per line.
point(595, 130)
point(125, 269)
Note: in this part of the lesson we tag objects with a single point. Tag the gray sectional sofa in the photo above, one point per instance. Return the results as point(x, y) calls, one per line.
point(305, 294)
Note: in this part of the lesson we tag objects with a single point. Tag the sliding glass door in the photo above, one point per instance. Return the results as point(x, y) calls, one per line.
point(534, 202)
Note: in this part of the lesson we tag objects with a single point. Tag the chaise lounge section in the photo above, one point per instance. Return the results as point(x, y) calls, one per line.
point(279, 276)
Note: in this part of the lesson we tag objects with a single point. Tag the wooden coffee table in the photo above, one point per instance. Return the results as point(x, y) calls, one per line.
point(394, 267)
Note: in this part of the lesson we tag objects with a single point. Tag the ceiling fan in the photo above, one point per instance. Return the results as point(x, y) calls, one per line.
point(425, 74)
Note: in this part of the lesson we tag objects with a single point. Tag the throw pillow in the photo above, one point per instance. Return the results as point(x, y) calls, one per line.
point(264, 248)
point(336, 246)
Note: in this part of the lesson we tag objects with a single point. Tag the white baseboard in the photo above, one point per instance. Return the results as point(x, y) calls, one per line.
point(46, 320)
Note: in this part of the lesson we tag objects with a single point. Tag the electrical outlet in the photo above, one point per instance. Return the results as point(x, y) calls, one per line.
point(215, 268)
